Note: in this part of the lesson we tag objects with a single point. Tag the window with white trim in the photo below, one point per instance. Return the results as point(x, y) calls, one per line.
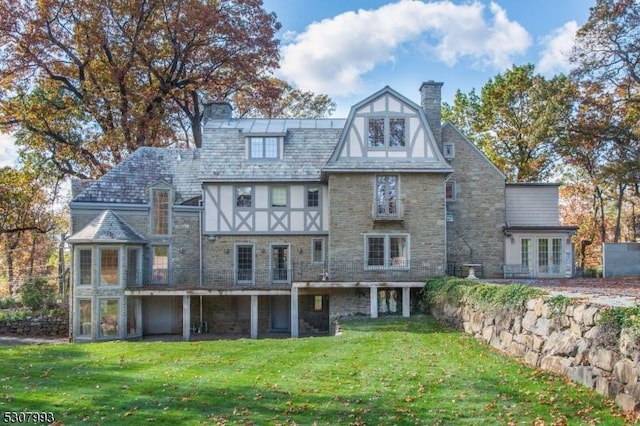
point(387, 251)
point(263, 148)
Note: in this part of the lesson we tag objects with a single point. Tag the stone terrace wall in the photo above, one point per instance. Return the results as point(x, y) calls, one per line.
point(44, 325)
point(565, 341)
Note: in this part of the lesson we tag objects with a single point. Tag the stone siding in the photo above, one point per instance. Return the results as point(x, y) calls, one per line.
point(349, 302)
point(478, 212)
point(351, 197)
point(220, 252)
point(566, 341)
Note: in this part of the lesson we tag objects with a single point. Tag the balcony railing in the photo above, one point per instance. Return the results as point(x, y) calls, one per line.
point(388, 210)
point(357, 271)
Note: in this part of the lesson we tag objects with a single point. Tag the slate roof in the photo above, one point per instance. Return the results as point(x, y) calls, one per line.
point(306, 151)
point(129, 181)
point(107, 228)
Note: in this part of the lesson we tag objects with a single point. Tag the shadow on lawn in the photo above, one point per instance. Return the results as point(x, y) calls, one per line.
point(422, 324)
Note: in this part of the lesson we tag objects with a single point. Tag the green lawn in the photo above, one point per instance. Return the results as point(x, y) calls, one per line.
point(385, 371)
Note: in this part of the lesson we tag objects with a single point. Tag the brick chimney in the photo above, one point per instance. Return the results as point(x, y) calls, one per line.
point(216, 111)
point(431, 100)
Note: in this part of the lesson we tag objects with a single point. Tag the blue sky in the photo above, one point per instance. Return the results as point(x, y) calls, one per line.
point(349, 49)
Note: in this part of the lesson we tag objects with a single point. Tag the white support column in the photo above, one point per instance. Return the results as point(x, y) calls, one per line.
point(294, 313)
point(186, 317)
point(373, 297)
point(254, 316)
point(406, 301)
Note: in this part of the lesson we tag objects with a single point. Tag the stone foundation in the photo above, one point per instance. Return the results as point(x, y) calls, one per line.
point(566, 341)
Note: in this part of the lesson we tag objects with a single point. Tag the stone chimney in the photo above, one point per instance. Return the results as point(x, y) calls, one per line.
point(431, 100)
point(216, 111)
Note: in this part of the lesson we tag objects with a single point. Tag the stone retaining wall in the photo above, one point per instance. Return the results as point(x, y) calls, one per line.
point(43, 325)
point(564, 340)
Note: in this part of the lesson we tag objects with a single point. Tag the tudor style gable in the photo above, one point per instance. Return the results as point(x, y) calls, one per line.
point(386, 125)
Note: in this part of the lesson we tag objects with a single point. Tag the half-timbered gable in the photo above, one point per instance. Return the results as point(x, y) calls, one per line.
point(387, 126)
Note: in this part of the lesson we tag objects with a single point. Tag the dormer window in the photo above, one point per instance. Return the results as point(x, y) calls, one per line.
point(263, 148)
point(160, 211)
point(386, 132)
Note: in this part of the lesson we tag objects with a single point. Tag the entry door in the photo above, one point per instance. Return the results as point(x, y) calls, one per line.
point(280, 313)
point(550, 256)
point(280, 264)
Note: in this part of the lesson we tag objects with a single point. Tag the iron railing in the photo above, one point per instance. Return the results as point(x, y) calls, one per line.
point(407, 270)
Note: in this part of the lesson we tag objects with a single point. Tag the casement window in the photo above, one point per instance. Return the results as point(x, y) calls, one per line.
point(313, 197)
point(109, 317)
point(263, 148)
point(244, 197)
point(279, 197)
point(280, 263)
point(386, 195)
point(387, 251)
point(160, 264)
point(160, 211)
point(109, 270)
point(85, 314)
point(244, 264)
point(450, 191)
point(386, 132)
point(85, 266)
point(317, 250)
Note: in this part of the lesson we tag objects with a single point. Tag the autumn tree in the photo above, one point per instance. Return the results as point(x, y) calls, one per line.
point(521, 113)
point(516, 121)
point(603, 135)
point(278, 99)
point(93, 81)
point(26, 221)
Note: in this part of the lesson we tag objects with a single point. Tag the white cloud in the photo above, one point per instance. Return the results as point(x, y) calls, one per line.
point(332, 56)
point(8, 152)
point(554, 57)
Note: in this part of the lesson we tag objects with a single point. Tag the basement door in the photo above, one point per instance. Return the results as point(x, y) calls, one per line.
point(280, 313)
